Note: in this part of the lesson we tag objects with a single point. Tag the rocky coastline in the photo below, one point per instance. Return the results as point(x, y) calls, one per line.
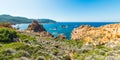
point(87, 43)
point(99, 35)
point(35, 27)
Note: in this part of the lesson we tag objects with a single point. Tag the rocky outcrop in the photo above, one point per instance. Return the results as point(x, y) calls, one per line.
point(36, 27)
point(6, 25)
point(98, 35)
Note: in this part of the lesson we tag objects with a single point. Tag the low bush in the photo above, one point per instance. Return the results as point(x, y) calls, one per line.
point(15, 45)
point(7, 35)
point(25, 38)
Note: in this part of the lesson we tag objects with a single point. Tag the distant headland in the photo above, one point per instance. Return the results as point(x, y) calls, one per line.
point(18, 20)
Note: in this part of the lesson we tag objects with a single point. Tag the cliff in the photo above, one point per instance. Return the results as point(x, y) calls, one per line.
point(98, 35)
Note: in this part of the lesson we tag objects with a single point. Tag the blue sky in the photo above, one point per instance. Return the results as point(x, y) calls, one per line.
point(64, 10)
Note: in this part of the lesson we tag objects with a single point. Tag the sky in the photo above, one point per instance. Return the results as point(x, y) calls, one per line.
point(64, 10)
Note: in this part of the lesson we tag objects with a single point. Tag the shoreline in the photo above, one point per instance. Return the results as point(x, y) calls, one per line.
point(70, 26)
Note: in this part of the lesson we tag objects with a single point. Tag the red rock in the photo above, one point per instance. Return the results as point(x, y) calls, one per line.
point(36, 27)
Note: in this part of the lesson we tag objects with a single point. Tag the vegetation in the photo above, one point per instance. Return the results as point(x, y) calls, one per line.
point(33, 47)
point(25, 38)
point(12, 19)
point(7, 35)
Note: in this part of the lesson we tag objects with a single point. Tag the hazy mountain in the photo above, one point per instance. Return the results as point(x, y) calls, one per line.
point(45, 20)
point(12, 19)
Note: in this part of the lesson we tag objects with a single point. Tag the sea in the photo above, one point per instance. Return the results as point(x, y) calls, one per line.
point(64, 28)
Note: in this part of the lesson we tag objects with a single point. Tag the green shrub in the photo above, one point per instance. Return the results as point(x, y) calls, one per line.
point(77, 43)
point(15, 45)
point(21, 53)
point(25, 38)
point(7, 35)
point(7, 51)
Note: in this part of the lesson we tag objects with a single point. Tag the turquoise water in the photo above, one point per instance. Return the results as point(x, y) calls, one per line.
point(64, 27)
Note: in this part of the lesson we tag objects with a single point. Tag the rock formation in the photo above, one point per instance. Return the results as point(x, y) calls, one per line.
point(36, 27)
point(6, 25)
point(98, 35)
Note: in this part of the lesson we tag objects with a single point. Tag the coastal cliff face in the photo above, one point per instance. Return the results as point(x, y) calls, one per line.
point(98, 35)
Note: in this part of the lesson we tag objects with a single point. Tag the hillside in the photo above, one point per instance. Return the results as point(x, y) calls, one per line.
point(12, 19)
point(46, 21)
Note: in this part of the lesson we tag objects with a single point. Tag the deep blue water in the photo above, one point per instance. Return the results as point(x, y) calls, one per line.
point(64, 27)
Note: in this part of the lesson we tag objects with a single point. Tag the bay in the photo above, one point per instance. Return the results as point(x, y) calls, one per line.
point(65, 28)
